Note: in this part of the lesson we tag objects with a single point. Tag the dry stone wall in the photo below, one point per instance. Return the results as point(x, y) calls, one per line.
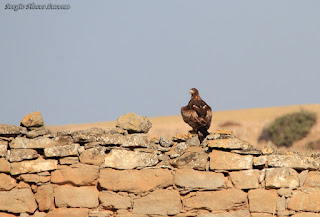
point(119, 172)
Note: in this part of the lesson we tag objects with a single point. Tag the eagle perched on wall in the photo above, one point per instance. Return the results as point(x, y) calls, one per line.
point(197, 114)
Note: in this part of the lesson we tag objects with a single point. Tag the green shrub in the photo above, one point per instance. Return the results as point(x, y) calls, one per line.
point(287, 129)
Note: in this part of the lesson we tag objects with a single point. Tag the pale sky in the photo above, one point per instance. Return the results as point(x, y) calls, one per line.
point(101, 59)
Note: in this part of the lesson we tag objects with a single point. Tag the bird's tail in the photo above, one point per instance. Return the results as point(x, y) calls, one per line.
point(202, 133)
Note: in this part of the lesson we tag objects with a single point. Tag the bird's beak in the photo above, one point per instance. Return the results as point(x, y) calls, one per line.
point(191, 91)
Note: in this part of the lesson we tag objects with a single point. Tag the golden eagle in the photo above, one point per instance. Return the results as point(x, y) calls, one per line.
point(197, 114)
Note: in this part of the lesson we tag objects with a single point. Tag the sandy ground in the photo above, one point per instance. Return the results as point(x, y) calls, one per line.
point(246, 124)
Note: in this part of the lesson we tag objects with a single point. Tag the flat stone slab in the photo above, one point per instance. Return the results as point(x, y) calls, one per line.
point(93, 155)
point(136, 181)
point(229, 161)
point(158, 202)
point(124, 159)
point(8, 130)
point(294, 161)
point(193, 158)
point(37, 143)
point(18, 201)
point(245, 179)
point(306, 199)
point(192, 179)
point(33, 166)
point(313, 179)
point(111, 200)
point(238, 213)
point(282, 178)
point(62, 151)
point(68, 212)
point(131, 140)
point(82, 197)
point(232, 143)
point(22, 154)
point(261, 200)
point(224, 200)
point(78, 175)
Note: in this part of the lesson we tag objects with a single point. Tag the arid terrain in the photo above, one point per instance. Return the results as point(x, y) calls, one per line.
point(246, 124)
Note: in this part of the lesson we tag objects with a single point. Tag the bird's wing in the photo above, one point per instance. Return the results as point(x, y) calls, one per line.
point(191, 117)
point(208, 116)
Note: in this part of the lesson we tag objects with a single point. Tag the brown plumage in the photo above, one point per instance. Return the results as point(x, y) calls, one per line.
point(197, 114)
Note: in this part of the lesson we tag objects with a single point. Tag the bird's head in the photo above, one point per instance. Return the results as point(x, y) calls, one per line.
point(194, 91)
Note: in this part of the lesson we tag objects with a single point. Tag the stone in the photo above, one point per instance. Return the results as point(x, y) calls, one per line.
point(136, 181)
point(22, 154)
point(294, 161)
point(23, 184)
point(261, 200)
point(32, 120)
point(91, 145)
point(134, 123)
point(10, 130)
point(68, 212)
point(193, 158)
point(3, 150)
point(111, 200)
point(249, 151)
point(68, 160)
point(182, 137)
point(303, 177)
point(18, 201)
point(107, 213)
point(4, 165)
point(124, 159)
point(229, 161)
point(6, 182)
point(44, 179)
point(39, 214)
point(230, 143)
point(37, 143)
point(281, 204)
point(158, 202)
point(194, 141)
point(44, 197)
point(116, 130)
point(238, 213)
point(261, 215)
point(285, 213)
point(37, 132)
point(306, 214)
point(226, 199)
point(313, 179)
point(306, 199)
point(245, 179)
point(94, 156)
point(180, 148)
point(282, 178)
point(192, 179)
point(132, 140)
point(260, 161)
point(62, 151)
point(285, 192)
point(34, 178)
point(77, 174)
point(70, 196)
point(3, 214)
point(33, 166)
